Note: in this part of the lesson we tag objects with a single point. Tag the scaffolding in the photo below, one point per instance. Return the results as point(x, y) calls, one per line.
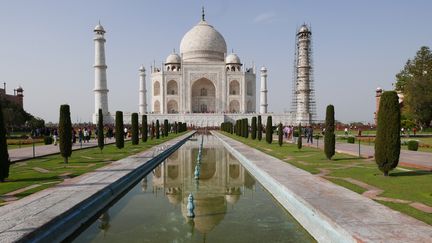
point(295, 78)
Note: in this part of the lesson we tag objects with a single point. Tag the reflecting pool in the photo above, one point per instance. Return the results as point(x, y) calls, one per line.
point(230, 206)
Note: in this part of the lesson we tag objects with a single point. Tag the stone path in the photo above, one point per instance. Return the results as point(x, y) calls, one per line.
point(324, 208)
point(414, 159)
point(55, 213)
point(21, 154)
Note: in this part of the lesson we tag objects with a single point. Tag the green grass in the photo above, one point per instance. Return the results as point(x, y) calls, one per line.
point(412, 185)
point(23, 175)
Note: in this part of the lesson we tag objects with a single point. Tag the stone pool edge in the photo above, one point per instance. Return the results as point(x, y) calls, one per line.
point(330, 213)
point(68, 210)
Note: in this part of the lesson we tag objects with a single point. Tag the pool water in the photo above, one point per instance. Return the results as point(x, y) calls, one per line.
point(230, 205)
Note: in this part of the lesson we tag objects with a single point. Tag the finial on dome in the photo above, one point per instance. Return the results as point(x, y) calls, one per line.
point(202, 14)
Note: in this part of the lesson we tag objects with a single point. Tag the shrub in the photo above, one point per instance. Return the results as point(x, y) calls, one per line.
point(166, 127)
point(387, 141)
point(351, 139)
point(152, 131)
point(299, 140)
point(246, 128)
point(269, 130)
point(65, 132)
point(100, 130)
point(296, 134)
point(259, 128)
point(413, 145)
point(119, 130)
point(144, 128)
point(254, 128)
point(280, 134)
point(4, 155)
point(329, 136)
point(157, 129)
point(48, 140)
point(135, 133)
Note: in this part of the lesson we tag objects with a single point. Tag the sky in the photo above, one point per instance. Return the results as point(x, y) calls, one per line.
point(47, 47)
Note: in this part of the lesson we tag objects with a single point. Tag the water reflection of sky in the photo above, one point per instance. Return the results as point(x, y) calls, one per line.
point(229, 205)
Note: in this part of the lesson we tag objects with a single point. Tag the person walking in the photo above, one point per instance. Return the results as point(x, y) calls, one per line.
point(309, 131)
point(55, 136)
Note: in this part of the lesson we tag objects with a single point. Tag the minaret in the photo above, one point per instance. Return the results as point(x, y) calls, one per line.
point(100, 89)
point(142, 91)
point(303, 78)
point(263, 100)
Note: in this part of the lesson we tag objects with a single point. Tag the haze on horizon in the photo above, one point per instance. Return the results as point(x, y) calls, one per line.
point(47, 47)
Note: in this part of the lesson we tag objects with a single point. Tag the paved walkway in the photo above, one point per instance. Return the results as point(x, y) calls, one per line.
point(49, 215)
point(323, 207)
point(415, 159)
point(42, 150)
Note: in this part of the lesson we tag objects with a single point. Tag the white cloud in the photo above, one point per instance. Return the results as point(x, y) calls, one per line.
point(266, 17)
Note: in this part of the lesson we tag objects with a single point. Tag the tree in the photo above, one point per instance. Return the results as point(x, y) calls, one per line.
point(4, 155)
point(157, 129)
point(119, 130)
point(246, 128)
point(152, 131)
point(329, 135)
point(166, 127)
point(299, 140)
point(387, 141)
point(135, 129)
point(65, 133)
point(254, 128)
point(269, 130)
point(144, 128)
point(280, 134)
point(415, 82)
point(100, 130)
point(259, 127)
point(175, 127)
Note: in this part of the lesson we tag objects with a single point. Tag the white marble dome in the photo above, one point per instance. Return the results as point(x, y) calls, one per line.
point(99, 27)
point(232, 59)
point(203, 43)
point(173, 58)
point(303, 28)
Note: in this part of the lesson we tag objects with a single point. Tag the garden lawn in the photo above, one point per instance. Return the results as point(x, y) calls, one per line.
point(28, 173)
point(414, 185)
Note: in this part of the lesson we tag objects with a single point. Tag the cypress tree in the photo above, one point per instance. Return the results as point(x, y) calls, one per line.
point(299, 140)
point(65, 133)
point(135, 129)
point(157, 129)
point(269, 130)
point(100, 134)
point(259, 127)
point(166, 127)
point(246, 127)
point(387, 141)
point(175, 128)
point(119, 130)
point(254, 128)
point(144, 128)
point(4, 155)
point(280, 134)
point(152, 131)
point(329, 136)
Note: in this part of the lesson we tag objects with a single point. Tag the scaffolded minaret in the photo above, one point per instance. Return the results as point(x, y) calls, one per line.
point(304, 96)
point(100, 88)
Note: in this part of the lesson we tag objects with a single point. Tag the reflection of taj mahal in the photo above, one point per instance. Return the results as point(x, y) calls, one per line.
point(221, 181)
point(203, 78)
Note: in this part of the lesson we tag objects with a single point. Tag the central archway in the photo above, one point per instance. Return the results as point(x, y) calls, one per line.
point(203, 96)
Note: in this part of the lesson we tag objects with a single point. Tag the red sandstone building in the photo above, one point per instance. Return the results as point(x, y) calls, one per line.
point(16, 98)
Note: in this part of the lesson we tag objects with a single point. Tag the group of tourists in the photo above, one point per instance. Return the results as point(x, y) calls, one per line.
point(288, 132)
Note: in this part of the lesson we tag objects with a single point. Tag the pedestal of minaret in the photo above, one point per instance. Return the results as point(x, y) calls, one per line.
point(263, 98)
point(100, 88)
point(142, 92)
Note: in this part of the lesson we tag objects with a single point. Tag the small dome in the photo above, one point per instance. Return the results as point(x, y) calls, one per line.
point(263, 69)
point(142, 68)
point(19, 89)
point(303, 28)
point(203, 43)
point(379, 89)
point(173, 58)
point(232, 59)
point(99, 27)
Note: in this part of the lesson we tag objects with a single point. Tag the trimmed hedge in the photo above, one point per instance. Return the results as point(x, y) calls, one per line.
point(135, 129)
point(269, 130)
point(351, 139)
point(329, 135)
point(65, 133)
point(413, 145)
point(259, 128)
point(119, 130)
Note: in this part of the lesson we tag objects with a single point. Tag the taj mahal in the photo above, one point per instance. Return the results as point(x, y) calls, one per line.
point(204, 85)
